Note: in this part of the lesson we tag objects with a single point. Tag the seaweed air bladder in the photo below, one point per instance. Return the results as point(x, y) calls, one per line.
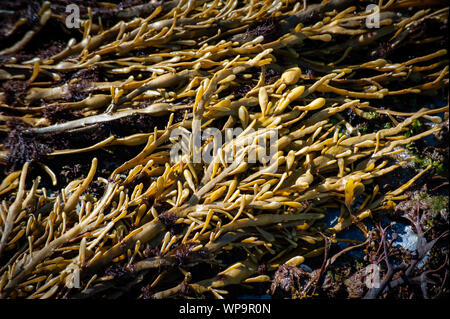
point(95, 205)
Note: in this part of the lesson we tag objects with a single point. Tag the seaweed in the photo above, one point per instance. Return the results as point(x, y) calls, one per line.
point(88, 126)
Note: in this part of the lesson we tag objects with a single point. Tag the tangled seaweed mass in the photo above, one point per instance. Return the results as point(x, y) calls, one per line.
point(93, 204)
